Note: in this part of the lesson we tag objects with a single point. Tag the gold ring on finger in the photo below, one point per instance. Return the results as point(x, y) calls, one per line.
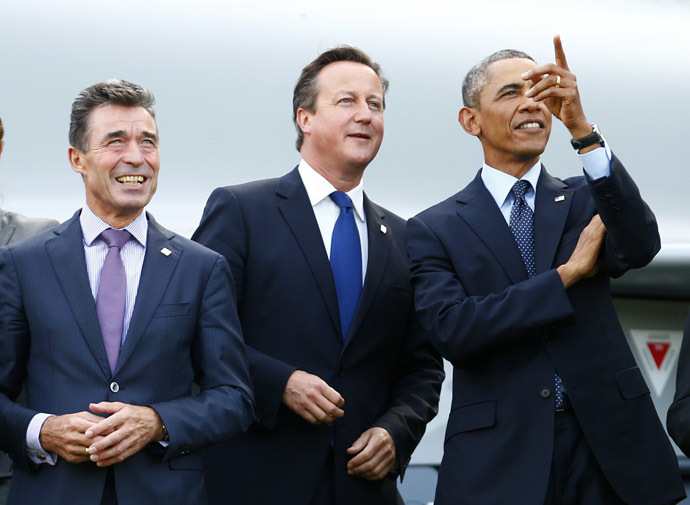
point(558, 81)
point(87, 452)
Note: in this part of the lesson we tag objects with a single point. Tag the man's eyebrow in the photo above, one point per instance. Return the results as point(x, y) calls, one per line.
point(149, 135)
point(511, 86)
point(114, 134)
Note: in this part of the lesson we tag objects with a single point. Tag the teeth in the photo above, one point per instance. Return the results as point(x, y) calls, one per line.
point(530, 125)
point(131, 179)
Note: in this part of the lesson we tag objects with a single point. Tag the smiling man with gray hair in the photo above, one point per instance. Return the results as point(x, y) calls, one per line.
point(108, 320)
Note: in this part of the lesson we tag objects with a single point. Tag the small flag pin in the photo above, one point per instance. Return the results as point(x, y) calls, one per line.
point(384, 229)
point(166, 251)
point(559, 198)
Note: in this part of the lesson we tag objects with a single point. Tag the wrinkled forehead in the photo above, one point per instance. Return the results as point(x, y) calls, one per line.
point(508, 69)
point(109, 116)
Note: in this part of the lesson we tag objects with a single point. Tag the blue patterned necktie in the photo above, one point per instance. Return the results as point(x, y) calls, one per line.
point(522, 226)
point(112, 293)
point(346, 260)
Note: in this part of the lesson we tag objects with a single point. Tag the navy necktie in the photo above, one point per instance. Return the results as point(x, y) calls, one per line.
point(112, 293)
point(522, 226)
point(346, 260)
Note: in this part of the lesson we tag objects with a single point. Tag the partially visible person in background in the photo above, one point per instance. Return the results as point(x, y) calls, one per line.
point(14, 227)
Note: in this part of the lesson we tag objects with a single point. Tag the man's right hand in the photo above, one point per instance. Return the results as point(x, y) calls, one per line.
point(65, 435)
point(311, 398)
point(584, 261)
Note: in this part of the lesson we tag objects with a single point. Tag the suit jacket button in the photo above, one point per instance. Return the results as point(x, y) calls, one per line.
point(114, 387)
point(545, 392)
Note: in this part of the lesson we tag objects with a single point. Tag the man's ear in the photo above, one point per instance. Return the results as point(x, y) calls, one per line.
point(467, 117)
point(304, 121)
point(76, 159)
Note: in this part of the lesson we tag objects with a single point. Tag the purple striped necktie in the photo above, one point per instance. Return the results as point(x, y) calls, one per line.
point(112, 292)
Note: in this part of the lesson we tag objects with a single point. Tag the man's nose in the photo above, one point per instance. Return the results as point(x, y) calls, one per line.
point(363, 113)
point(133, 155)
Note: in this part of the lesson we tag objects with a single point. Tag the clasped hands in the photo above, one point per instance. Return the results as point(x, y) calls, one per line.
point(85, 436)
point(309, 396)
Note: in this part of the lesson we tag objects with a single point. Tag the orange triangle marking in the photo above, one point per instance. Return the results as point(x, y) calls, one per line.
point(658, 350)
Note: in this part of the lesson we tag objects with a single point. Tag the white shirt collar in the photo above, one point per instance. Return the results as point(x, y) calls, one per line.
point(500, 183)
point(92, 226)
point(318, 189)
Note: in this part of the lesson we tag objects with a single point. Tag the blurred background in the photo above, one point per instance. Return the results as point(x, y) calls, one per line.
point(223, 73)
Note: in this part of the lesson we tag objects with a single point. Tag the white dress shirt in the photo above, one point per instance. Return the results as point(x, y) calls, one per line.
point(326, 211)
point(95, 251)
point(596, 163)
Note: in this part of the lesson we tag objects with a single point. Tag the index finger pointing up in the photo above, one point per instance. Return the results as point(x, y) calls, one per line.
point(560, 54)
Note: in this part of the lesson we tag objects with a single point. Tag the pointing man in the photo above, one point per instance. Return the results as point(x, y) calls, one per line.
point(511, 280)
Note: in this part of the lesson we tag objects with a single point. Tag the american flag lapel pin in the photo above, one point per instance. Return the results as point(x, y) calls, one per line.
point(559, 198)
point(384, 230)
point(166, 252)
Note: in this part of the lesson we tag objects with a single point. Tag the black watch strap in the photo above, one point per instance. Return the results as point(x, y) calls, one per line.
point(588, 140)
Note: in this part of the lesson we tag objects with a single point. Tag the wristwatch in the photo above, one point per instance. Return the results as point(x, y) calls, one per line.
point(588, 140)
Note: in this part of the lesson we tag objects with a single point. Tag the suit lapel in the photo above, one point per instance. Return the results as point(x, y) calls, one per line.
point(550, 213)
point(479, 210)
point(66, 253)
point(379, 250)
point(299, 216)
point(6, 235)
point(155, 275)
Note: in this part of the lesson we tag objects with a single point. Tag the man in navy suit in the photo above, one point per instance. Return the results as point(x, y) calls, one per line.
point(110, 416)
point(511, 279)
point(345, 379)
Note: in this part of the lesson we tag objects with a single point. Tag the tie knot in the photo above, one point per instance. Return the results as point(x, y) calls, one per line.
point(520, 188)
point(341, 200)
point(116, 238)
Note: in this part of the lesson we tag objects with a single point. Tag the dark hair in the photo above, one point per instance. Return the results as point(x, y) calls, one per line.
point(475, 80)
point(111, 92)
point(307, 88)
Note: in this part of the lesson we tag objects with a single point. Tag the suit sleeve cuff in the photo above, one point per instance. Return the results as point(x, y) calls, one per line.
point(34, 449)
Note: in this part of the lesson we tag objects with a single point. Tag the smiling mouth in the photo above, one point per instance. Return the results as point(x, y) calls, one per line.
point(360, 136)
point(130, 179)
point(531, 124)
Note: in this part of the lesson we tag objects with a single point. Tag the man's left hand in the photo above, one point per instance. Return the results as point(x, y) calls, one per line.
point(374, 454)
point(556, 86)
point(125, 432)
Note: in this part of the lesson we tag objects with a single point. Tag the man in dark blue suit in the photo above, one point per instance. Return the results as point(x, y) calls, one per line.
point(110, 416)
point(511, 278)
point(345, 379)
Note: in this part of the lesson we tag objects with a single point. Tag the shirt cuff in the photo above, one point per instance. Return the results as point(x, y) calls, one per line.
point(34, 450)
point(597, 163)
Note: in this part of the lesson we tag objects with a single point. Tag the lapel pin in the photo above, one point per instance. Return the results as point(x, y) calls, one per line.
point(384, 229)
point(166, 251)
point(559, 198)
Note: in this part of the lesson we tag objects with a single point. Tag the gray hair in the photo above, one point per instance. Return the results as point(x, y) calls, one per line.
point(307, 89)
point(476, 79)
point(111, 92)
